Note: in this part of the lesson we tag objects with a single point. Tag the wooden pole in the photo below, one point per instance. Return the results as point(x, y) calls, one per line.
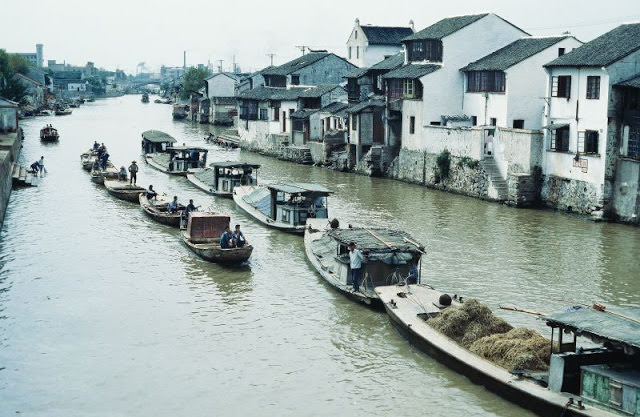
point(523, 310)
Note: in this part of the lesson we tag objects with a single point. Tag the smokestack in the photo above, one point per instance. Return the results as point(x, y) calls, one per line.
point(184, 59)
point(39, 55)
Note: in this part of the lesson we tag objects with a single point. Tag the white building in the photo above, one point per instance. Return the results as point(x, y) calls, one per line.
point(583, 138)
point(369, 44)
point(507, 87)
point(219, 90)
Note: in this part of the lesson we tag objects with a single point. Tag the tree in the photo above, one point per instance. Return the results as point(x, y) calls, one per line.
point(193, 81)
point(10, 87)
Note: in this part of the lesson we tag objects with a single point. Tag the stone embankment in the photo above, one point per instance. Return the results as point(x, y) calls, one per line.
point(10, 144)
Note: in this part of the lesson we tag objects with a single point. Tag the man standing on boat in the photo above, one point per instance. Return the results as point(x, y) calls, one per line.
point(133, 169)
point(355, 262)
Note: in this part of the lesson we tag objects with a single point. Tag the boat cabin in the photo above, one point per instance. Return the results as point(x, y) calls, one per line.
point(292, 203)
point(227, 175)
point(204, 227)
point(606, 376)
point(391, 256)
point(182, 158)
point(154, 141)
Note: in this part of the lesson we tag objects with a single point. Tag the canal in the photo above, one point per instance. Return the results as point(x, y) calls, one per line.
point(105, 313)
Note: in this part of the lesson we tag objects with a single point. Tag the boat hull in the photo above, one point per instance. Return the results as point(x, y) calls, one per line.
point(212, 251)
point(169, 219)
point(207, 188)
point(162, 168)
point(520, 391)
point(124, 191)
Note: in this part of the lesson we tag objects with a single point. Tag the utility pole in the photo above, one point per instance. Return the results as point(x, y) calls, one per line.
point(303, 48)
point(271, 55)
point(220, 67)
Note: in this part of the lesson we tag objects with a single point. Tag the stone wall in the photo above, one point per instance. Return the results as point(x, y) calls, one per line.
point(10, 145)
point(570, 195)
point(524, 189)
point(626, 194)
point(466, 176)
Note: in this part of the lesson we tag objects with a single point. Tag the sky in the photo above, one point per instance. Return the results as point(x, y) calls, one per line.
point(121, 34)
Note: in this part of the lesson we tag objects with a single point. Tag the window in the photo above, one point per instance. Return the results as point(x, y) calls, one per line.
point(593, 87)
point(263, 114)
point(276, 114)
point(356, 34)
point(561, 51)
point(295, 79)
point(408, 88)
point(349, 52)
point(354, 122)
point(412, 125)
point(436, 123)
point(425, 50)
point(486, 81)
point(286, 215)
point(588, 142)
point(474, 120)
point(561, 86)
point(560, 139)
point(518, 124)
point(357, 52)
point(493, 121)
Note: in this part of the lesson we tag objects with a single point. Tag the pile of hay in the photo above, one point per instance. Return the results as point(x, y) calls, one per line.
point(469, 322)
point(518, 349)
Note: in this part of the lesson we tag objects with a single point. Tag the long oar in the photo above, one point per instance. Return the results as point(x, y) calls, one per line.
point(603, 308)
point(389, 245)
point(523, 310)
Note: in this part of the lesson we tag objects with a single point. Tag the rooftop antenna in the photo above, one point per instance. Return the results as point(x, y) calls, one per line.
point(220, 67)
point(303, 48)
point(271, 55)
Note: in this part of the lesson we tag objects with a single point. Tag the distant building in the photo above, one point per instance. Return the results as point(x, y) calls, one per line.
point(8, 115)
point(34, 58)
point(369, 44)
point(311, 69)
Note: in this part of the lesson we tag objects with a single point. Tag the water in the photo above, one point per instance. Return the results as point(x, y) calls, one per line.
point(105, 313)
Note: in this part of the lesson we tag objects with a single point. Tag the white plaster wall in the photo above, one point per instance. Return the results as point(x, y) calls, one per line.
point(221, 85)
point(459, 141)
point(444, 89)
point(352, 42)
point(517, 150)
point(376, 53)
point(411, 108)
point(485, 106)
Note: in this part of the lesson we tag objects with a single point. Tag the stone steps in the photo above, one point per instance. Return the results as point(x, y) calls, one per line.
point(21, 177)
point(501, 186)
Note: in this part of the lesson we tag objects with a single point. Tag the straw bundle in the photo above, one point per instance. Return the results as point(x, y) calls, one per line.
point(518, 349)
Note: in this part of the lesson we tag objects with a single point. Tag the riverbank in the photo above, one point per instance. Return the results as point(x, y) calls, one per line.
point(10, 145)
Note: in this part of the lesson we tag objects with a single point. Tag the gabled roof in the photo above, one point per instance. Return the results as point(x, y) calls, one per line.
point(603, 50)
point(292, 93)
point(412, 71)
point(296, 64)
point(385, 35)
point(365, 105)
point(632, 82)
point(357, 72)
point(389, 63)
point(335, 107)
point(303, 113)
point(512, 54)
point(445, 27)
point(28, 79)
point(231, 75)
point(7, 103)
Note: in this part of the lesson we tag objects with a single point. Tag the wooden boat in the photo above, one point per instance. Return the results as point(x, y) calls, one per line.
point(145, 98)
point(63, 111)
point(180, 111)
point(221, 178)
point(392, 256)
point(177, 160)
point(123, 190)
point(49, 134)
point(109, 173)
point(410, 307)
point(284, 206)
point(224, 141)
point(154, 141)
point(158, 211)
point(202, 236)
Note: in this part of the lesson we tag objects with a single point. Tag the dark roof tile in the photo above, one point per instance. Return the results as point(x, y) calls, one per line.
point(512, 54)
point(633, 82)
point(412, 71)
point(445, 27)
point(603, 50)
point(386, 35)
point(296, 64)
point(389, 63)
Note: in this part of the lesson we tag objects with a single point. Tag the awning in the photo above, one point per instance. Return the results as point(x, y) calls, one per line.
point(554, 126)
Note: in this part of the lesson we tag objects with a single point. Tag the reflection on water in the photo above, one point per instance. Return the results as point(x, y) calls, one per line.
point(95, 295)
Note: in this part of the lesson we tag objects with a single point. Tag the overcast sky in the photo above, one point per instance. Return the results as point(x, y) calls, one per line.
point(123, 33)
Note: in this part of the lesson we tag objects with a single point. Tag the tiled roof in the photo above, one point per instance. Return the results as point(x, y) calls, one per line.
point(389, 63)
point(412, 71)
point(228, 74)
point(334, 107)
point(365, 104)
point(633, 82)
point(445, 27)
point(296, 64)
point(7, 103)
point(385, 35)
point(512, 54)
point(356, 73)
point(293, 93)
point(603, 50)
point(303, 113)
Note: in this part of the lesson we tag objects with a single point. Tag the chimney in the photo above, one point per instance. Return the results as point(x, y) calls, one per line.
point(357, 21)
point(39, 57)
point(411, 25)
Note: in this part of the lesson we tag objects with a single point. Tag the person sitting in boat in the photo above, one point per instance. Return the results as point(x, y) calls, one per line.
point(151, 193)
point(226, 240)
point(104, 159)
point(96, 145)
point(122, 175)
point(172, 207)
point(238, 238)
point(190, 207)
point(96, 164)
